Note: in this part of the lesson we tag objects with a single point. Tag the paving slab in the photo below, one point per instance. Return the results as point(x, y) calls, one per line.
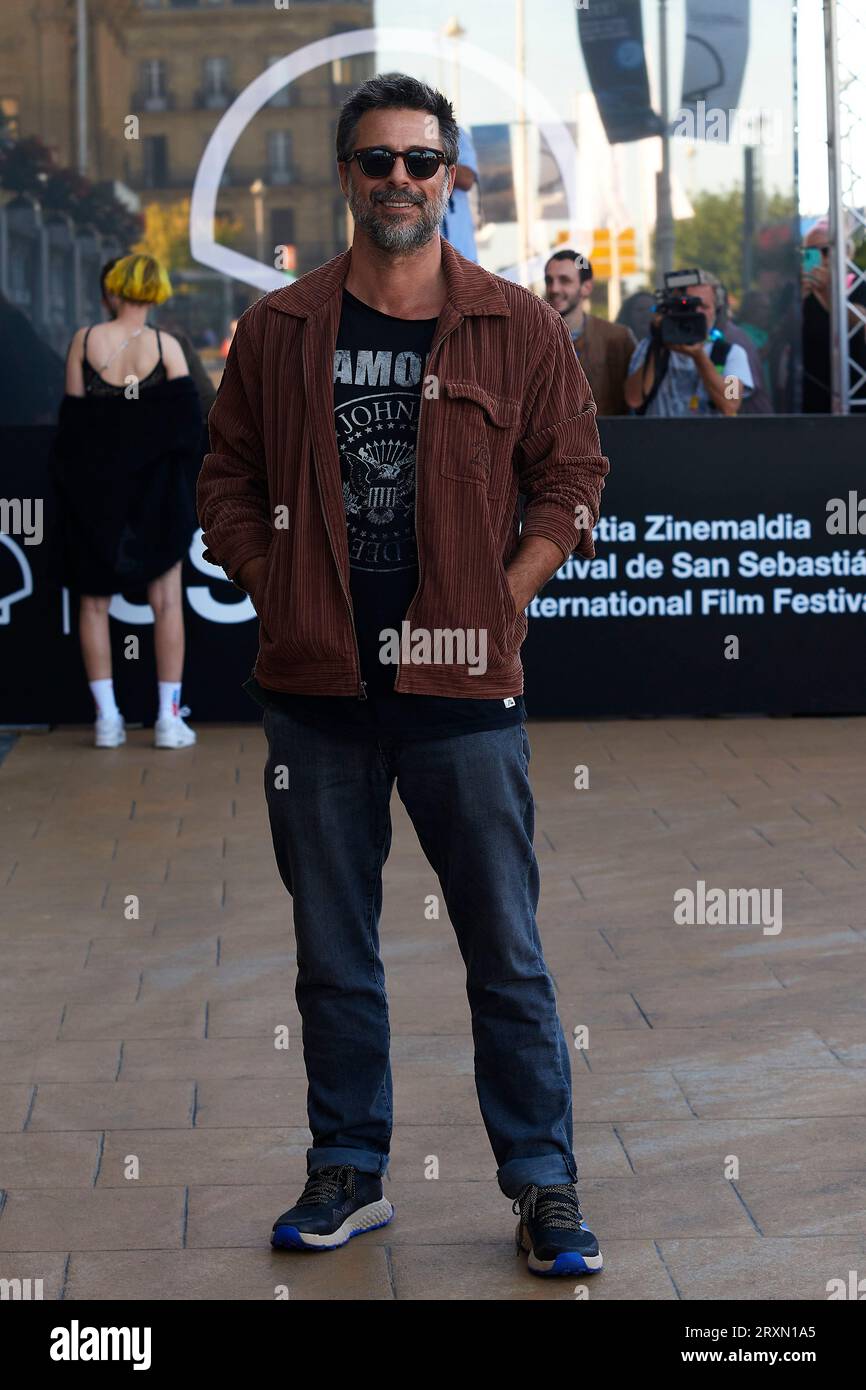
point(359, 1272)
point(134, 1217)
point(763, 1268)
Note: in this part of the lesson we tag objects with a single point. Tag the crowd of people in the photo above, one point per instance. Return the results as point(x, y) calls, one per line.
point(737, 367)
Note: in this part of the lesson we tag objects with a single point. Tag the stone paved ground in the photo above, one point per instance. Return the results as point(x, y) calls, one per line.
point(153, 1038)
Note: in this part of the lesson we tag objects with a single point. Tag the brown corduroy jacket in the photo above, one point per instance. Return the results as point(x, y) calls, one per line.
point(505, 410)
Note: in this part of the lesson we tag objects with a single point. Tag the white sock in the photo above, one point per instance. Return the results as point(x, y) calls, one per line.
point(169, 699)
point(103, 697)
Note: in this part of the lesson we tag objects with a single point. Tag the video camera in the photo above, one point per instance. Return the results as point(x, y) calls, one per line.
point(684, 320)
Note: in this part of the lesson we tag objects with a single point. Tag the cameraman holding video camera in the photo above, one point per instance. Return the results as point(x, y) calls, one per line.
point(686, 367)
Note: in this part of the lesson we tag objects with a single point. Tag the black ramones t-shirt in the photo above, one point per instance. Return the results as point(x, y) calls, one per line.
point(378, 378)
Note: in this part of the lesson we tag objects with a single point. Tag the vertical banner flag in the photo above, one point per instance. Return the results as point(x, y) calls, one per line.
point(552, 202)
point(611, 36)
point(495, 172)
point(717, 46)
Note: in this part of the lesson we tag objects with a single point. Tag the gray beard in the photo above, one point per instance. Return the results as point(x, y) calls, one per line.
point(393, 235)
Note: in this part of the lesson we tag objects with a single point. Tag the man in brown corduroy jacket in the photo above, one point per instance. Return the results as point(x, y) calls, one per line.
point(377, 423)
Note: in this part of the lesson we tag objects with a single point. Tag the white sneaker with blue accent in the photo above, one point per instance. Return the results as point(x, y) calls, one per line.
point(171, 732)
point(109, 733)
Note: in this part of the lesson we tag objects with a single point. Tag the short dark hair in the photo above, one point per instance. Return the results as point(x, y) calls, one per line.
point(396, 91)
point(566, 254)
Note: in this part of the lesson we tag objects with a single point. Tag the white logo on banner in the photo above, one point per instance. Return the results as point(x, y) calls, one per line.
point(202, 601)
point(199, 597)
point(26, 589)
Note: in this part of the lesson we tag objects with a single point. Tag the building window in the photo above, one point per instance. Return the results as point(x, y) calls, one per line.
point(344, 72)
point(9, 110)
point(155, 166)
point(279, 156)
point(215, 93)
point(152, 85)
point(282, 227)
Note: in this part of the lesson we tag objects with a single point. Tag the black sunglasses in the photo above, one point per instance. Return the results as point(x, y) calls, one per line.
point(377, 161)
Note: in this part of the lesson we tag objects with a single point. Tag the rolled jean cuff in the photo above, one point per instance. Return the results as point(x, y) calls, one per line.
point(365, 1160)
point(543, 1171)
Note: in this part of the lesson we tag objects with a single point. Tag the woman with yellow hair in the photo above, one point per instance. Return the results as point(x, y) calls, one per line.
point(127, 442)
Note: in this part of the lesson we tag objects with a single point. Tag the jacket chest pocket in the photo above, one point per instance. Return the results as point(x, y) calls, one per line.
point(479, 436)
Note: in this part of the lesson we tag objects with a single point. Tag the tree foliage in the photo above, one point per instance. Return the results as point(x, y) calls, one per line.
point(166, 233)
point(713, 238)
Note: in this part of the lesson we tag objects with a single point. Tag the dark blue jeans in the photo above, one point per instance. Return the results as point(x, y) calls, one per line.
point(471, 805)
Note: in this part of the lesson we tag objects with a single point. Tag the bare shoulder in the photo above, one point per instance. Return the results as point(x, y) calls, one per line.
point(173, 355)
point(169, 342)
point(74, 372)
point(75, 351)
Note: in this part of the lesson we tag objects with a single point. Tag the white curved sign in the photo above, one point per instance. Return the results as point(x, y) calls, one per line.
point(250, 101)
point(25, 589)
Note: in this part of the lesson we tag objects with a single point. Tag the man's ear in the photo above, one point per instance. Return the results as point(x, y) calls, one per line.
point(343, 176)
point(452, 174)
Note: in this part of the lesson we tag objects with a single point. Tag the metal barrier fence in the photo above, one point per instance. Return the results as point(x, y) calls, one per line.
point(49, 268)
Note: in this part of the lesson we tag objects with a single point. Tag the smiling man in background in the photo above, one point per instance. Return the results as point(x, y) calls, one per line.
point(603, 349)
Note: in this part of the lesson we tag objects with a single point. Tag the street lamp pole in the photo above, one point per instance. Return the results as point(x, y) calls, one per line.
point(837, 236)
point(454, 31)
point(664, 209)
point(257, 189)
point(81, 82)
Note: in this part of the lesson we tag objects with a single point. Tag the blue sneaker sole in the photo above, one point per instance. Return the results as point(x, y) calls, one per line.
point(566, 1262)
point(569, 1262)
point(290, 1238)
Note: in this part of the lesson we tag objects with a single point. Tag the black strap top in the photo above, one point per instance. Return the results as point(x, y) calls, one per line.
point(96, 385)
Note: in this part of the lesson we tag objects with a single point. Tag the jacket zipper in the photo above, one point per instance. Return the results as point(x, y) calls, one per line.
point(362, 685)
point(421, 412)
